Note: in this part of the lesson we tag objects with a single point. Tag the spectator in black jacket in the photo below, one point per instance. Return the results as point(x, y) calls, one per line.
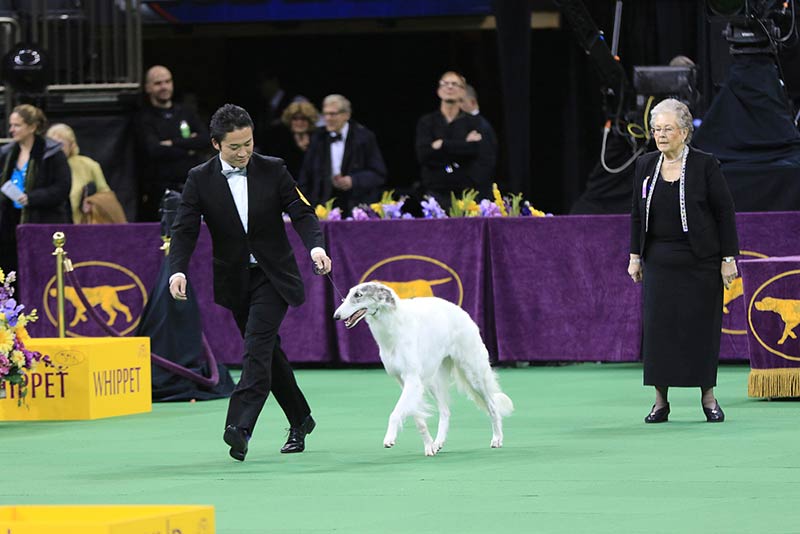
point(487, 157)
point(343, 160)
point(171, 138)
point(448, 144)
point(38, 168)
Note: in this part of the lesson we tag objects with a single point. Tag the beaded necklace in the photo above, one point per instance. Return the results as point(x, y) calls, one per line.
point(682, 193)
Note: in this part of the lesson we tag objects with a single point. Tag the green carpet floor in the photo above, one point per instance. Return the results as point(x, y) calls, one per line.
point(577, 458)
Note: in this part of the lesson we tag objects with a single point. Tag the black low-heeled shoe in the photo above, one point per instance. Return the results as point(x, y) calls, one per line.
point(715, 414)
point(658, 416)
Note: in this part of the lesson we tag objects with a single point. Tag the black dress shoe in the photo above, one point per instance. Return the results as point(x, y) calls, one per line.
point(237, 438)
point(297, 436)
point(715, 414)
point(658, 416)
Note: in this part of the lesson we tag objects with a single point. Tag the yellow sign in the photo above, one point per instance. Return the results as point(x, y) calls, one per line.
point(107, 519)
point(120, 303)
point(91, 378)
point(422, 286)
point(785, 310)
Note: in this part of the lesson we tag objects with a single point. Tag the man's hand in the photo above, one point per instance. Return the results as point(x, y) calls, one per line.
point(437, 144)
point(474, 136)
point(177, 288)
point(166, 142)
point(635, 269)
point(344, 183)
point(23, 200)
point(322, 262)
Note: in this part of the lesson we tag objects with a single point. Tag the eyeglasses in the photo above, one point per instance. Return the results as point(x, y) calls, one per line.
point(668, 130)
point(332, 113)
point(444, 83)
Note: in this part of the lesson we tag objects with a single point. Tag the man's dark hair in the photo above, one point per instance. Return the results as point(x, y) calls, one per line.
point(228, 118)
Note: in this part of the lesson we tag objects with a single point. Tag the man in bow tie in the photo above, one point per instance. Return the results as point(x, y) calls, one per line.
point(241, 197)
point(343, 160)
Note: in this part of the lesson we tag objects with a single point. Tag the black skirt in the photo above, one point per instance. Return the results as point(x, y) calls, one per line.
point(682, 303)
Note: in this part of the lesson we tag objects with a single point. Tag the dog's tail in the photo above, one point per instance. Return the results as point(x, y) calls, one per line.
point(481, 385)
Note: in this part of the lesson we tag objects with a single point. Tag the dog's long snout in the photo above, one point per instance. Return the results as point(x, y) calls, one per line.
point(336, 316)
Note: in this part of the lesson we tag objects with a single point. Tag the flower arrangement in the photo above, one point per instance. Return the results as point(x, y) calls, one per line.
point(466, 205)
point(15, 360)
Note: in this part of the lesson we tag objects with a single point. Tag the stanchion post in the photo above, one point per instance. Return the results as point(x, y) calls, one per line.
point(58, 241)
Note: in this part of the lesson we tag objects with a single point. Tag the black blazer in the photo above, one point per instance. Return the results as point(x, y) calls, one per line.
point(270, 191)
point(710, 214)
point(362, 161)
point(47, 183)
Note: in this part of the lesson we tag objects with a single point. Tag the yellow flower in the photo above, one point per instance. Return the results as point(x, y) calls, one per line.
point(6, 340)
point(18, 359)
point(22, 333)
point(321, 211)
point(377, 208)
point(498, 200)
point(2, 276)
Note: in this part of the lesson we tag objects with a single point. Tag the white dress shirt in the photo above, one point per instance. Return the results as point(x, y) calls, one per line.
point(337, 151)
point(237, 182)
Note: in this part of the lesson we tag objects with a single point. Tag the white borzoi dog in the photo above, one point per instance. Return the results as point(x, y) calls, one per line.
point(424, 343)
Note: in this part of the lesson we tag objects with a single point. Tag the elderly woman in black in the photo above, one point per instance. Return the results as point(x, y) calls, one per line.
point(39, 169)
point(683, 243)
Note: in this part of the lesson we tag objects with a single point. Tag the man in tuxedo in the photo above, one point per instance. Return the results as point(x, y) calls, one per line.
point(241, 197)
point(343, 160)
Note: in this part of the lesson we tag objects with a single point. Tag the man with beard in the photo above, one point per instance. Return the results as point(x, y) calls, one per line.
point(448, 144)
point(171, 140)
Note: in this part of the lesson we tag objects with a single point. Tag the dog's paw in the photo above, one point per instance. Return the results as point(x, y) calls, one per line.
point(497, 443)
point(437, 445)
point(388, 444)
point(431, 450)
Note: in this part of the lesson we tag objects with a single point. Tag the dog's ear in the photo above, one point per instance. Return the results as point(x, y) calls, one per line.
point(385, 295)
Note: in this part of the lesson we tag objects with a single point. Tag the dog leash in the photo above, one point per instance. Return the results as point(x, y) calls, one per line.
point(318, 271)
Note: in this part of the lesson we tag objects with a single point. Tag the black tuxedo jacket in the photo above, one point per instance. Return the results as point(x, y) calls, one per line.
point(362, 161)
point(710, 214)
point(270, 191)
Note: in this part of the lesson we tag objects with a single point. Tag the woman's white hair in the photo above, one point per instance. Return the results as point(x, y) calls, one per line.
point(681, 111)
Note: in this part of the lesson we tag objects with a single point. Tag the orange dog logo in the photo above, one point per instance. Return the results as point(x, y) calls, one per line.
point(415, 288)
point(789, 311)
point(104, 296)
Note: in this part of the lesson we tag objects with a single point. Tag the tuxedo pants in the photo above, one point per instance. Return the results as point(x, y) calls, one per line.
point(265, 367)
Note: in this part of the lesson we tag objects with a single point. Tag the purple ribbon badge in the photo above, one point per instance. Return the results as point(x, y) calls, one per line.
point(644, 187)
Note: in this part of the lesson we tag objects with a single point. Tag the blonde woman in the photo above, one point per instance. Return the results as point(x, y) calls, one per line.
point(85, 172)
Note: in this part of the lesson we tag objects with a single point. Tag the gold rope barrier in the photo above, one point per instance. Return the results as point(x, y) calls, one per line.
point(62, 263)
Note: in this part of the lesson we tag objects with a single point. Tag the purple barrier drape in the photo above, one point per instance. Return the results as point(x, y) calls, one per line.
point(569, 285)
point(772, 301)
point(561, 290)
point(444, 258)
point(552, 288)
point(117, 266)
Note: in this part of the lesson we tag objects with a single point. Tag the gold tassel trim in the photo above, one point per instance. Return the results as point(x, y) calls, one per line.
point(772, 383)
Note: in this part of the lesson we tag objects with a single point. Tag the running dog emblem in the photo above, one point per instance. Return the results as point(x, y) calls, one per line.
point(789, 310)
point(735, 291)
point(414, 288)
point(106, 297)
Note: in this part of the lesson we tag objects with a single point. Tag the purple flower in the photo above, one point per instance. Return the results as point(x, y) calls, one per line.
point(335, 214)
point(359, 214)
point(11, 311)
point(431, 209)
point(489, 209)
point(392, 211)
